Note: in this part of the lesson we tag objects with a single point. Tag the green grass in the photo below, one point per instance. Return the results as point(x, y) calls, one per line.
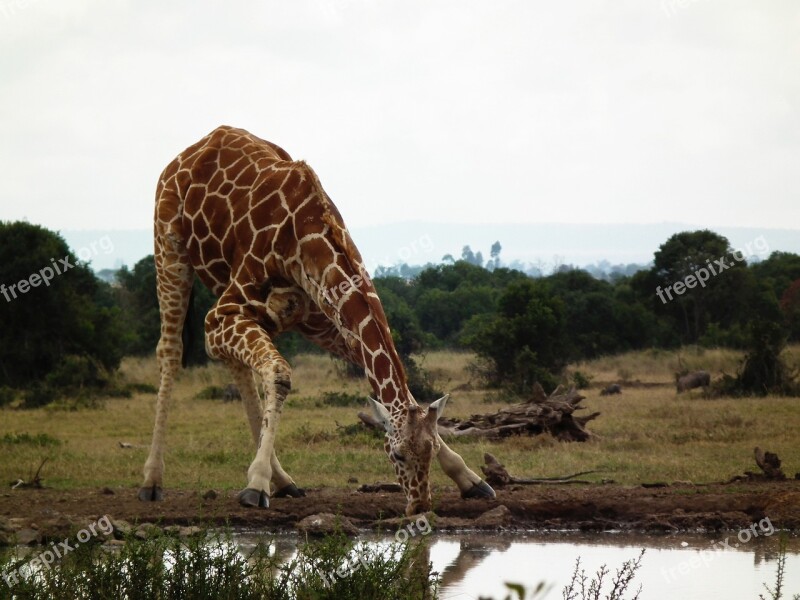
point(644, 434)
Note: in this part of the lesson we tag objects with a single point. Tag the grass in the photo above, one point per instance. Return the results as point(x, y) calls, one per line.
point(645, 434)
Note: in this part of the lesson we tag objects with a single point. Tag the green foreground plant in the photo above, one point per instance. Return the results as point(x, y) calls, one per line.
point(213, 566)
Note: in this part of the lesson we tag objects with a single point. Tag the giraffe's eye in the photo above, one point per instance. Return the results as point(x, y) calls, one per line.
point(397, 457)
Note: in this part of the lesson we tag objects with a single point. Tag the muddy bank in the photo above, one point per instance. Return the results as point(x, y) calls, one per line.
point(51, 514)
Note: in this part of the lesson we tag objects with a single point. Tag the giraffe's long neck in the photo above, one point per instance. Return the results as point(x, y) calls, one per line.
point(343, 290)
point(348, 296)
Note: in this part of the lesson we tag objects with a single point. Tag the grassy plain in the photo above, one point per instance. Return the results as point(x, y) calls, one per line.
point(645, 434)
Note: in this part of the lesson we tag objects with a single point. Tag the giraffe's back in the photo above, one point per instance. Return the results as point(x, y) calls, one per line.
point(239, 204)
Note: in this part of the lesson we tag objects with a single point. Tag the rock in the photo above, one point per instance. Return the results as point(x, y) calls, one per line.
point(57, 529)
point(147, 530)
point(190, 531)
point(324, 524)
point(181, 531)
point(28, 537)
point(122, 528)
point(6, 534)
point(496, 518)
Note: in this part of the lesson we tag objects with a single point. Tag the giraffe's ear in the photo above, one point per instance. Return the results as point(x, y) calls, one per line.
point(381, 414)
point(436, 409)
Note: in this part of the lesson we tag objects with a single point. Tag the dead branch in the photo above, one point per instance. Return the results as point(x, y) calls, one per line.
point(497, 475)
point(35, 483)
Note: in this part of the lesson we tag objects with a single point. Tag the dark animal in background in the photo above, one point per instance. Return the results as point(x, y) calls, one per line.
point(614, 388)
point(692, 380)
point(230, 393)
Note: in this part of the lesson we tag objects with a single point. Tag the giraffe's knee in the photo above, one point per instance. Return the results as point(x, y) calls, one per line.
point(282, 376)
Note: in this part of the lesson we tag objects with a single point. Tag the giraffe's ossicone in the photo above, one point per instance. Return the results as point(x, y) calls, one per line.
point(258, 229)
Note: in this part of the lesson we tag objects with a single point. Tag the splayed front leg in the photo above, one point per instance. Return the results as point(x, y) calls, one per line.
point(469, 482)
point(282, 484)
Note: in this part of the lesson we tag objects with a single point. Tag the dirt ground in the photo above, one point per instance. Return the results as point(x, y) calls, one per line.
point(55, 513)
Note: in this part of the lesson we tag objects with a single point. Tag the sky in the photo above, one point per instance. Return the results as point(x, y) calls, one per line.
point(586, 111)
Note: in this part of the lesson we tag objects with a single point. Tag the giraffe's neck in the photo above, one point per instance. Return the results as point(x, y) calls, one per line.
point(328, 266)
point(350, 295)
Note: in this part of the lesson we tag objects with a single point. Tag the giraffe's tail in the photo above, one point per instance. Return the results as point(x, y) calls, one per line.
point(187, 335)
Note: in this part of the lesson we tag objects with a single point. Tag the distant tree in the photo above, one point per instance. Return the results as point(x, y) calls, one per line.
point(444, 313)
point(468, 256)
point(790, 307)
point(59, 322)
point(778, 271)
point(494, 256)
point(597, 320)
point(137, 295)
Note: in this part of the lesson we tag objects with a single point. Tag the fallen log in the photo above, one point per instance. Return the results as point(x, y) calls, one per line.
point(770, 466)
point(553, 414)
point(497, 475)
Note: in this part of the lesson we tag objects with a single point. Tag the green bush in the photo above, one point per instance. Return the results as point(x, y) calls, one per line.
point(525, 342)
point(212, 566)
point(342, 399)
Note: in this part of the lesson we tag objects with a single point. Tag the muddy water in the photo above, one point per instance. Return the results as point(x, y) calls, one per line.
point(680, 566)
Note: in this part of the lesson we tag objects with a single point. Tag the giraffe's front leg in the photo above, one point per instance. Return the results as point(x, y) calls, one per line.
point(282, 484)
point(469, 482)
point(233, 336)
point(277, 382)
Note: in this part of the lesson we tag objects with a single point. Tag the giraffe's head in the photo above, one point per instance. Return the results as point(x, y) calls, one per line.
point(412, 443)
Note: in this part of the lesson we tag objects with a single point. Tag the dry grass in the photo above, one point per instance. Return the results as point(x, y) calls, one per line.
point(660, 366)
point(645, 434)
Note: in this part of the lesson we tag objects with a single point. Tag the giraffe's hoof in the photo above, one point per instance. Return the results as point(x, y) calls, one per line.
point(254, 498)
point(290, 490)
point(151, 493)
point(479, 490)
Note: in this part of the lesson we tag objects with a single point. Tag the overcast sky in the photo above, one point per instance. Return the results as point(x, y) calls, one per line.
point(476, 112)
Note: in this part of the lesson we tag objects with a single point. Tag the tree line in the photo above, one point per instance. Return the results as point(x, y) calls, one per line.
point(698, 290)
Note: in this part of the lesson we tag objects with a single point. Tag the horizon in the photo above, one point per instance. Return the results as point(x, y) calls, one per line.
point(417, 243)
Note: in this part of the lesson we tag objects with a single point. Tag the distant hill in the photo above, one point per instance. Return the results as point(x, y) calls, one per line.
point(542, 245)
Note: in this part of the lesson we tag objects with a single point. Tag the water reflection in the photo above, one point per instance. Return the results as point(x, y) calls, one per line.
point(674, 566)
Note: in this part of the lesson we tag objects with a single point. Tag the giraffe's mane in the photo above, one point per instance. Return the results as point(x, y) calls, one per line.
point(353, 260)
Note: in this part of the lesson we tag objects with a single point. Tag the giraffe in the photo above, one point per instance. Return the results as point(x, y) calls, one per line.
point(261, 233)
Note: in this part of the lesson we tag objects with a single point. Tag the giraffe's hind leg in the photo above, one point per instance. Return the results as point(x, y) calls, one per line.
point(282, 483)
point(174, 276)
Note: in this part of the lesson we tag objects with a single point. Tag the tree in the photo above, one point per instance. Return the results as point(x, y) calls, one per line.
point(138, 296)
point(494, 254)
point(59, 321)
point(598, 320)
point(473, 258)
point(525, 341)
point(778, 271)
point(698, 280)
point(790, 307)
